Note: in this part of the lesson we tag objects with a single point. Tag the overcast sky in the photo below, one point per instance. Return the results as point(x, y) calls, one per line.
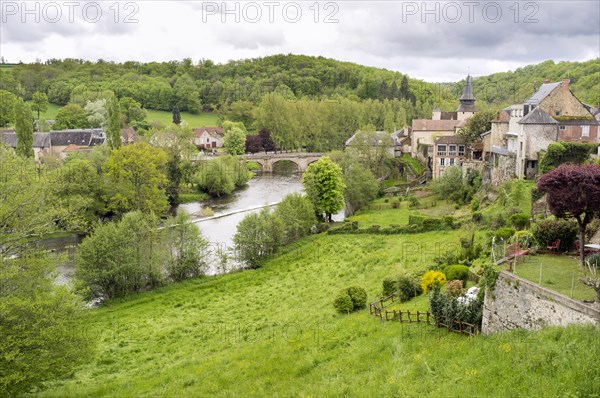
point(435, 41)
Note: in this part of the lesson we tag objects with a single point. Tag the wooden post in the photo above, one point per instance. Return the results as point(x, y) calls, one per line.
point(408, 313)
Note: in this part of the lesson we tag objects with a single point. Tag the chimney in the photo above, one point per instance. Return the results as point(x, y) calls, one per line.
point(546, 81)
point(565, 84)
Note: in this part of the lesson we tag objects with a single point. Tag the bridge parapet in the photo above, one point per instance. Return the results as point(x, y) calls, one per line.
point(301, 159)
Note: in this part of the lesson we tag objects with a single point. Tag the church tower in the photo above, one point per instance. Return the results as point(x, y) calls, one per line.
point(467, 107)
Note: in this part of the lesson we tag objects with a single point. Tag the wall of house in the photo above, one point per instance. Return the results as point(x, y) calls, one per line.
point(539, 136)
point(518, 303)
point(573, 133)
point(562, 100)
point(503, 168)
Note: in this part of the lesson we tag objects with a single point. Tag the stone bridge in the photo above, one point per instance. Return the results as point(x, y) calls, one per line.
point(301, 159)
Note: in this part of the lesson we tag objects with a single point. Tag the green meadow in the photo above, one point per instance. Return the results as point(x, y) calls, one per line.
point(274, 332)
point(194, 120)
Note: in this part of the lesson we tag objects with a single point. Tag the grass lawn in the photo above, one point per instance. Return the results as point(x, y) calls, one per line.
point(559, 272)
point(194, 120)
point(50, 113)
point(274, 332)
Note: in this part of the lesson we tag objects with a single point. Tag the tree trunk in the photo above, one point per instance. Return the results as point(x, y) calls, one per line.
point(581, 243)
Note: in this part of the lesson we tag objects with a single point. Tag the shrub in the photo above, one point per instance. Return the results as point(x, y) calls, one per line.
point(594, 260)
point(504, 233)
point(457, 272)
point(408, 288)
point(519, 220)
point(343, 303)
point(477, 217)
point(413, 202)
point(358, 295)
point(389, 286)
point(549, 230)
point(475, 203)
point(395, 204)
point(431, 279)
point(455, 288)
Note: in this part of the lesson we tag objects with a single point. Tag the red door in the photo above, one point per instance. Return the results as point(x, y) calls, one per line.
point(214, 144)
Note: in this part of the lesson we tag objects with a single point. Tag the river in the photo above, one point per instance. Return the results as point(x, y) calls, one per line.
point(262, 190)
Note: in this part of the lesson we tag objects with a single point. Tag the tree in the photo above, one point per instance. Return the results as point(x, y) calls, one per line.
point(559, 153)
point(96, 112)
point(39, 103)
point(7, 107)
point(298, 216)
point(324, 186)
point(361, 185)
point(476, 125)
point(573, 191)
point(217, 177)
point(235, 141)
point(132, 110)
point(187, 248)
point(24, 129)
point(258, 236)
point(176, 115)
point(451, 185)
point(71, 116)
point(39, 342)
point(113, 132)
point(138, 176)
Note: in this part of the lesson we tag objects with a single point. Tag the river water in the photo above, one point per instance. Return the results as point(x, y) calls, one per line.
point(262, 190)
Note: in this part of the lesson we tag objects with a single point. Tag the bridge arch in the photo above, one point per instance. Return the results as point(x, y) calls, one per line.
point(293, 161)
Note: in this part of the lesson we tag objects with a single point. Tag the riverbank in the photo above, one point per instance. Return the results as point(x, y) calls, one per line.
point(274, 332)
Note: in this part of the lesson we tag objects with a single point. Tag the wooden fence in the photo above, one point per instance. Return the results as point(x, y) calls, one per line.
point(377, 308)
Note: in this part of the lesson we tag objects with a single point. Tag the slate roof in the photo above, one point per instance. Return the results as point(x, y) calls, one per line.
point(68, 137)
point(434, 125)
point(448, 139)
point(537, 116)
point(40, 140)
point(544, 90)
point(468, 90)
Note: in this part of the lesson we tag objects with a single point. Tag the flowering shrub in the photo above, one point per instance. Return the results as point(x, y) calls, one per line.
point(455, 288)
point(431, 279)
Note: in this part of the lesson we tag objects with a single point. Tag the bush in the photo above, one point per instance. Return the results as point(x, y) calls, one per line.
point(524, 238)
point(432, 279)
point(504, 233)
point(413, 202)
point(549, 230)
point(477, 217)
point(358, 295)
point(594, 260)
point(395, 204)
point(455, 288)
point(457, 272)
point(389, 286)
point(408, 287)
point(343, 303)
point(519, 220)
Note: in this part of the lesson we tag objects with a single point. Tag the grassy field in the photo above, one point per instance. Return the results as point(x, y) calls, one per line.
point(559, 272)
point(194, 120)
point(274, 332)
point(50, 113)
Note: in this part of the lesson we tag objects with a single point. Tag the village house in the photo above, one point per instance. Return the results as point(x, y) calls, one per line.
point(425, 132)
point(401, 140)
point(449, 151)
point(521, 133)
point(41, 143)
point(209, 137)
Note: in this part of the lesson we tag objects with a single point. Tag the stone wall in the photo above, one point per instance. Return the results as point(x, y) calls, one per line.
point(519, 303)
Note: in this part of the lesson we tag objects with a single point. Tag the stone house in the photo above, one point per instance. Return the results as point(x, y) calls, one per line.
point(209, 137)
point(62, 142)
point(378, 140)
point(448, 151)
point(402, 141)
point(522, 132)
point(41, 143)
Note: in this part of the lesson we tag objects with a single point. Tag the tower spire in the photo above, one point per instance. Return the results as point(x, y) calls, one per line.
point(467, 99)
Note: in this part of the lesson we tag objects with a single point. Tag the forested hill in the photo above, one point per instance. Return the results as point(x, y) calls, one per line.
point(506, 88)
point(204, 85)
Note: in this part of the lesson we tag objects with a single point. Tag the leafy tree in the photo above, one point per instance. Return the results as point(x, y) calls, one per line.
point(573, 191)
point(220, 176)
point(7, 107)
point(187, 248)
point(36, 324)
point(97, 113)
point(451, 185)
point(258, 236)
point(324, 185)
point(361, 185)
point(132, 110)
point(137, 173)
point(71, 116)
point(373, 149)
point(24, 129)
point(241, 111)
point(186, 94)
point(113, 132)
point(476, 125)
point(235, 141)
point(39, 103)
point(298, 216)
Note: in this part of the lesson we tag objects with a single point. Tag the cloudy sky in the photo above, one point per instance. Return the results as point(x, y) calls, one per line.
point(436, 41)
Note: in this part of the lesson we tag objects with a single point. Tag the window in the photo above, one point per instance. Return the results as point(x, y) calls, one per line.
point(461, 150)
point(441, 150)
point(452, 150)
point(557, 113)
point(451, 161)
point(208, 140)
point(442, 161)
point(585, 131)
point(562, 127)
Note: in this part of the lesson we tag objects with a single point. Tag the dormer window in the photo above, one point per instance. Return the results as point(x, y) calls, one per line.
point(557, 113)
